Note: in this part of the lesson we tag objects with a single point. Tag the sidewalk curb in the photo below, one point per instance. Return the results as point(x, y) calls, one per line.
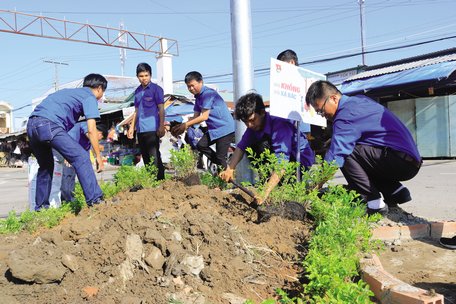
point(431, 230)
point(387, 288)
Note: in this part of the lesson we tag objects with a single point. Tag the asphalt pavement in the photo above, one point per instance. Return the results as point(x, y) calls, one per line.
point(433, 189)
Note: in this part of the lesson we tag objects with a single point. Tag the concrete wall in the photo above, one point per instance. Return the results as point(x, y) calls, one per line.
point(432, 122)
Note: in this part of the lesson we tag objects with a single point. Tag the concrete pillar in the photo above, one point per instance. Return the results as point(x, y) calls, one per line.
point(164, 73)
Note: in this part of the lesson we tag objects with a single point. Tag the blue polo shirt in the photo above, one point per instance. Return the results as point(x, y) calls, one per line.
point(283, 138)
point(78, 133)
point(146, 103)
point(64, 107)
point(220, 121)
point(361, 120)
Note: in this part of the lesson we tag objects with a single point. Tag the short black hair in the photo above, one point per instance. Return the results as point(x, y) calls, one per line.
point(318, 90)
point(193, 75)
point(247, 105)
point(94, 81)
point(143, 67)
point(287, 56)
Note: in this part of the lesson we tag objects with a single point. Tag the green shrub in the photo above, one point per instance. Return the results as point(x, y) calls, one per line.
point(128, 177)
point(183, 161)
point(212, 181)
point(341, 235)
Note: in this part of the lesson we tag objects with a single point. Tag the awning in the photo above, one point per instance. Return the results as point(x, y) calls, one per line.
point(431, 73)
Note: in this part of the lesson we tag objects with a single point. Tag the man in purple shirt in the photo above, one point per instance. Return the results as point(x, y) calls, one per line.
point(372, 147)
point(265, 131)
point(149, 118)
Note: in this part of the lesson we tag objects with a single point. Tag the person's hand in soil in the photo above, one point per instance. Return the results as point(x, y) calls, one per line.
point(227, 175)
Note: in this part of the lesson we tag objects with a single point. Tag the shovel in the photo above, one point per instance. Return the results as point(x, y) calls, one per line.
point(289, 210)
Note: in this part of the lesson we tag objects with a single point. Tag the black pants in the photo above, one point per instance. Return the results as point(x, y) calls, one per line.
point(374, 170)
point(149, 144)
point(221, 148)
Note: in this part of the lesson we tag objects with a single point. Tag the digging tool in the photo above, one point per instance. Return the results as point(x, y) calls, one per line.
point(288, 210)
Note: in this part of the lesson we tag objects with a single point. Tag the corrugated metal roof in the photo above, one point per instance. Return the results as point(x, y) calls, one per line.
point(402, 67)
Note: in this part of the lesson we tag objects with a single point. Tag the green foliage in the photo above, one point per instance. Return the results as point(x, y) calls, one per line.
point(128, 177)
point(11, 223)
point(265, 164)
point(212, 181)
point(31, 221)
point(341, 235)
point(183, 161)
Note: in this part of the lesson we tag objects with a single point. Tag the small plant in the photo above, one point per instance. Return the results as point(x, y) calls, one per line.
point(212, 181)
point(129, 177)
point(183, 161)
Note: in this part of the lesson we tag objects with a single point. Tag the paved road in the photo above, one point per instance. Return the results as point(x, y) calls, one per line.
point(433, 190)
point(14, 188)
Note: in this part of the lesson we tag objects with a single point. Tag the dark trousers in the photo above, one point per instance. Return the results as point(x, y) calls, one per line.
point(374, 170)
point(222, 145)
point(68, 183)
point(149, 144)
point(44, 135)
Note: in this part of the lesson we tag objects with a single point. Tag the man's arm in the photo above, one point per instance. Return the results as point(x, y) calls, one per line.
point(161, 114)
point(274, 179)
point(131, 129)
point(93, 137)
point(197, 118)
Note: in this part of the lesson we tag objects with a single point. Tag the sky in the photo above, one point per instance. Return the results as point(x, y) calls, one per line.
point(316, 30)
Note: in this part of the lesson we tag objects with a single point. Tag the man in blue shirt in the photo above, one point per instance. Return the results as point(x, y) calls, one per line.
point(149, 118)
point(373, 148)
point(48, 127)
point(265, 131)
point(211, 108)
point(80, 134)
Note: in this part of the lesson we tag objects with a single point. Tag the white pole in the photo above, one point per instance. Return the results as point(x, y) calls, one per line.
point(241, 45)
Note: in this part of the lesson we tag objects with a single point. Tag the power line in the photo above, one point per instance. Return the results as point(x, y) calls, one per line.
point(264, 71)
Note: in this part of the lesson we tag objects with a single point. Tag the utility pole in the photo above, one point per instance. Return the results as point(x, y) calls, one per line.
point(56, 76)
point(241, 44)
point(362, 23)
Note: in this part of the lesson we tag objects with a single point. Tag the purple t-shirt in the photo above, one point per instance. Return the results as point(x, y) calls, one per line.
point(282, 135)
point(146, 102)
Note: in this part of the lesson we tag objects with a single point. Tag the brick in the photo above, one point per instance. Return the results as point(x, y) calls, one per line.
point(386, 233)
point(445, 229)
point(419, 231)
point(388, 289)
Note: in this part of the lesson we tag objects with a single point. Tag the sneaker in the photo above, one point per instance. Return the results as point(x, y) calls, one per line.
point(383, 211)
point(401, 197)
point(98, 201)
point(448, 242)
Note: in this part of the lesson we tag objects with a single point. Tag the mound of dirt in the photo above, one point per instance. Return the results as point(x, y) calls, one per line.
point(187, 244)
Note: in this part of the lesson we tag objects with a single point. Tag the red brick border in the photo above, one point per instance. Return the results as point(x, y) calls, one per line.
point(432, 230)
point(387, 288)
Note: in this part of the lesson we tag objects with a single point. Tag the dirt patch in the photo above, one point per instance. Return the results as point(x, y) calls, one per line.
point(190, 244)
point(420, 263)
